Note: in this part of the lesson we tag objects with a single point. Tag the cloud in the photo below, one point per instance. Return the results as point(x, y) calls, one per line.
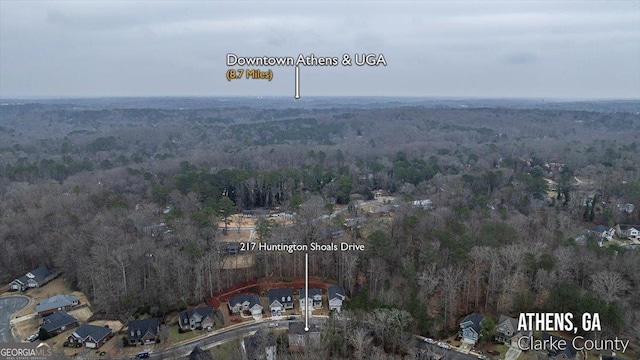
point(433, 48)
point(519, 58)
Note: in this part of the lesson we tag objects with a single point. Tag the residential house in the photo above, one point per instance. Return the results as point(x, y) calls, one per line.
point(245, 302)
point(564, 353)
point(425, 204)
point(380, 193)
point(33, 279)
point(470, 328)
point(602, 233)
point(280, 300)
point(58, 322)
point(626, 208)
point(156, 229)
point(260, 346)
point(91, 336)
point(199, 354)
point(299, 337)
point(631, 232)
point(200, 318)
point(56, 303)
point(232, 248)
point(336, 297)
point(354, 223)
point(314, 300)
point(143, 331)
point(508, 334)
point(256, 213)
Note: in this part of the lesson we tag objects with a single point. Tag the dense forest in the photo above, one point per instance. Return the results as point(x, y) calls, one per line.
point(513, 185)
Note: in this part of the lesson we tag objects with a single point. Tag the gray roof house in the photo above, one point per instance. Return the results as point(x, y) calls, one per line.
point(35, 278)
point(602, 233)
point(91, 336)
point(199, 318)
point(425, 204)
point(336, 297)
point(56, 303)
point(314, 300)
point(260, 346)
point(470, 328)
point(280, 300)
point(566, 353)
point(631, 232)
point(143, 331)
point(298, 336)
point(58, 322)
point(508, 334)
point(246, 302)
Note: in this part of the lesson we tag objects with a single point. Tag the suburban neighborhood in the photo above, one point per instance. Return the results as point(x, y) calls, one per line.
point(320, 180)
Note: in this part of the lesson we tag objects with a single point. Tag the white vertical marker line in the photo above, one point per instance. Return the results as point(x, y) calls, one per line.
point(306, 291)
point(297, 95)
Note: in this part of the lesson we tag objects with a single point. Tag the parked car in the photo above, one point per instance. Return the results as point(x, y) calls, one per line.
point(142, 355)
point(33, 337)
point(482, 357)
point(444, 345)
point(273, 325)
point(429, 341)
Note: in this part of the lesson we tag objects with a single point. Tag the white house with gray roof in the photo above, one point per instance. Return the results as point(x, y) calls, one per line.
point(246, 302)
point(280, 300)
point(314, 300)
point(34, 278)
point(336, 297)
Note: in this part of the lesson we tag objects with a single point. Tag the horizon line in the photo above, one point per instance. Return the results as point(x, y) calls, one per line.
point(282, 97)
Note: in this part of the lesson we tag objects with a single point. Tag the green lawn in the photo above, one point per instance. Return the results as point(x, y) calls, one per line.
point(502, 349)
point(175, 336)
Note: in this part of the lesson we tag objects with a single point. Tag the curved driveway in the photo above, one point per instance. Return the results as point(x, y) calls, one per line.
point(8, 306)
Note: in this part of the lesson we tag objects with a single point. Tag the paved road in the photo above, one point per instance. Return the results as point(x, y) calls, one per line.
point(184, 350)
point(9, 305)
point(448, 354)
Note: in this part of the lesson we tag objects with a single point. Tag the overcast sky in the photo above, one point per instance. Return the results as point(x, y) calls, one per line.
point(570, 50)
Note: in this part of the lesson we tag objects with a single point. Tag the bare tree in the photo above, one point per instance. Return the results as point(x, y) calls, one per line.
point(361, 342)
point(428, 281)
point(452, 281)
point(163, 333)
point(350, 262)
point(609, 285)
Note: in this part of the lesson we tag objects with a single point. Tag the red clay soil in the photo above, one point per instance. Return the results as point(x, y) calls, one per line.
point(262, 285)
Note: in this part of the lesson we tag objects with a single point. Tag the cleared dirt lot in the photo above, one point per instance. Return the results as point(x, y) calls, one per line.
point(240, 261)
point(245, 221)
